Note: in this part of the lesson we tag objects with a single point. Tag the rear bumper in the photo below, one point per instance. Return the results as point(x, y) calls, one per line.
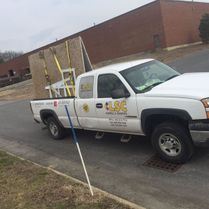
point(199, 131)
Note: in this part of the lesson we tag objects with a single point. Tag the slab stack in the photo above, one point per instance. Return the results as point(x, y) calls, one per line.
point(43, 62)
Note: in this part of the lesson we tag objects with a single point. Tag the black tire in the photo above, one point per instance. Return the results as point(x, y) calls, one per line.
point(172, 142)
point(55, 130)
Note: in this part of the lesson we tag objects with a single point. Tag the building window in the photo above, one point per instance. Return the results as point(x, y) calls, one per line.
point(27, 71)
point(11, 73)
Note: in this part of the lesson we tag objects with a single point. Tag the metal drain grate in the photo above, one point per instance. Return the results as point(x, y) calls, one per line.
point(156, 162)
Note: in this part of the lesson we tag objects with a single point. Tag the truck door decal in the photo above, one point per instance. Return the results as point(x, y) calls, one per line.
point(118, 122)
point(85, 108)
point(117, 107)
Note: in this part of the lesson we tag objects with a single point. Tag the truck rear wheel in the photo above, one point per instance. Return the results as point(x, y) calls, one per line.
point(55, 130)
point(172, 142)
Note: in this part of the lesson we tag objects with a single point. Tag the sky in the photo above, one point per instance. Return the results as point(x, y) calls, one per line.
point(28, 24)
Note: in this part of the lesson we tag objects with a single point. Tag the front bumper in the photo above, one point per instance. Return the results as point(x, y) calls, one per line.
point(199, 131)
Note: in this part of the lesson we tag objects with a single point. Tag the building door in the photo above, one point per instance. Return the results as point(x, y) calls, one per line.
point(157, 42)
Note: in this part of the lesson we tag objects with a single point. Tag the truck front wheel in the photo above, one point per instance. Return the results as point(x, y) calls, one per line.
point(55, 130)
point(172, 142)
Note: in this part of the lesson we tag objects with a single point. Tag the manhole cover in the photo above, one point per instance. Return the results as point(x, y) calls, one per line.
point(156, 162)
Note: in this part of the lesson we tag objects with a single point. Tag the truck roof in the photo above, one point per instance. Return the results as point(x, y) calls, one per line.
point(118, 67)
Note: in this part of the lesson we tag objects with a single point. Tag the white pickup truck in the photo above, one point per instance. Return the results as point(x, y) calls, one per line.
point(144, 97)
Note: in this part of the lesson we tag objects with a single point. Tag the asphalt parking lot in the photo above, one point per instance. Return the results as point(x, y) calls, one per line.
point(113, 166)
point(196, 62)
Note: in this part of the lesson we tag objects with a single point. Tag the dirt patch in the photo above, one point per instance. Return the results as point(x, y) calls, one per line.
point(19, 91)
point(25, 185)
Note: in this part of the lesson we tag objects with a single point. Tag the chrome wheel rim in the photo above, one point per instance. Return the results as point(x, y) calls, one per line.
point(53, 129)
point(170, 144)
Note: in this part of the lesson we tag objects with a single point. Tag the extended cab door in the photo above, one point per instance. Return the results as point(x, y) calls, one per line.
point(117, 115)
point(85, 103)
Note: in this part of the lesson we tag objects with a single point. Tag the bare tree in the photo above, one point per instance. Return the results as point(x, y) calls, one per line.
point(9, 55)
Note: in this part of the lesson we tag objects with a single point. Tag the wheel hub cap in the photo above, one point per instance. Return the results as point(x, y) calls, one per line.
point(170, 144)
point(53, 129)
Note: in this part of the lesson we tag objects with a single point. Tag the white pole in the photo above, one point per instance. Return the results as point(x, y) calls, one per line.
point(84, 168)
point(79, 150)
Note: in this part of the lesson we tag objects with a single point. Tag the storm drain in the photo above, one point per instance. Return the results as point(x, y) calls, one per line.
point(156, 162)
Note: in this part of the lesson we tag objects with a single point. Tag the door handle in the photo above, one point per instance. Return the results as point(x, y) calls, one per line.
point(99, 105)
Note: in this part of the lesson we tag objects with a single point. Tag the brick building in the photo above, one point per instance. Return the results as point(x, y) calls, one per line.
point(159, 24)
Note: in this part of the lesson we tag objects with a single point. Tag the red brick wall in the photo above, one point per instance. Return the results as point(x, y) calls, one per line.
point(181, 21)
point(19, 65)
point(125, 35)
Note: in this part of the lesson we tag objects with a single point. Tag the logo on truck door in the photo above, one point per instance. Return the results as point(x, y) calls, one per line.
point(117, 107)
point(86, 108)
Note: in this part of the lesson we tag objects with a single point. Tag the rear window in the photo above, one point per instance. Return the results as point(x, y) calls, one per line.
point(86, 87)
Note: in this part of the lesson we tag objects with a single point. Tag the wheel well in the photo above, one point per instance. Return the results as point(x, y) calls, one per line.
point(45, 114)
point(153, 120)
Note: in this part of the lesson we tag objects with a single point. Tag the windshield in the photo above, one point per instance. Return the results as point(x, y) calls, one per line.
point(144, 77)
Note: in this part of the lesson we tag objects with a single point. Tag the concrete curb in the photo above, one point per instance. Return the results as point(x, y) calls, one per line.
point(114, 197)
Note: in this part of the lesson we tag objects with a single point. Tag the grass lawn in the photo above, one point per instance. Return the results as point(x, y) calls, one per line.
point(24, 185)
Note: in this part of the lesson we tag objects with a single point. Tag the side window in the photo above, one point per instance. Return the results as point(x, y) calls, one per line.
point(86, 87)
point(107, 83)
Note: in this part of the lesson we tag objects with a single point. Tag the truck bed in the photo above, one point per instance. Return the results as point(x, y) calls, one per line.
point(55, 106)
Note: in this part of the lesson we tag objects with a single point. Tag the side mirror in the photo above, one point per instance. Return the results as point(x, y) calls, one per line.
point(120, 93)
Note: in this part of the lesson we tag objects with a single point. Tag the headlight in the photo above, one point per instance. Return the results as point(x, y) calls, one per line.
point(205, 102)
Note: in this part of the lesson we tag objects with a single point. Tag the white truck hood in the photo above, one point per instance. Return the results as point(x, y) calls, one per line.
point(188, 85)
